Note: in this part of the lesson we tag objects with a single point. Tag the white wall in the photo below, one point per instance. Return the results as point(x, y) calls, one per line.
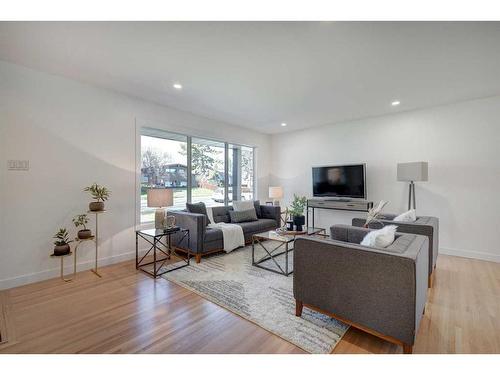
point(74, 134)
point(461, 142)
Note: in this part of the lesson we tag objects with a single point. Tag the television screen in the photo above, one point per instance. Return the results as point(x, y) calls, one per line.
point(339, 181)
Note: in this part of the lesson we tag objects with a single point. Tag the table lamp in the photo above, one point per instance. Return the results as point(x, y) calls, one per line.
point(411, 172)
point(160, 198)
point(276, 193)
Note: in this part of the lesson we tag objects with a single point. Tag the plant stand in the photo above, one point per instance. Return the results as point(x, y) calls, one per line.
point(80, 241)
point(62, 264)
point(95, 239)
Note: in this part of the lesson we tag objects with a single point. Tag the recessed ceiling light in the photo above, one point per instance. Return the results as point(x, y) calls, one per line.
point(283, 124)
point(177, 86)
point(395, 103)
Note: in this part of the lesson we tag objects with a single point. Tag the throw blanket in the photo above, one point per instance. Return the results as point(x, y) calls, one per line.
point(232, 235)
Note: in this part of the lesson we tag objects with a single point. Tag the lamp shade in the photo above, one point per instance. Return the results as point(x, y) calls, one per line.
point(416, 171)
point(160, 197)
point(275, 192)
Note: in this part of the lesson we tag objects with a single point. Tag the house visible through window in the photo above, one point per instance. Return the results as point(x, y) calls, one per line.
point(164, 164)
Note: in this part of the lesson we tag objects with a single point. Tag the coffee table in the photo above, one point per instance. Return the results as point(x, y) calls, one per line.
point(281, 241)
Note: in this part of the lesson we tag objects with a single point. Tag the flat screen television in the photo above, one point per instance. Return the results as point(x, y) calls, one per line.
point(347, 181)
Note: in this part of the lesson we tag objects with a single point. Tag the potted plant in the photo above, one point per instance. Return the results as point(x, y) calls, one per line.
point(81, 221)
point(61, 242)
point(100, 194)
point(296, 210)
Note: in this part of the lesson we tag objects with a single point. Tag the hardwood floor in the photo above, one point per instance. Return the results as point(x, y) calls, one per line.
point(128, 312)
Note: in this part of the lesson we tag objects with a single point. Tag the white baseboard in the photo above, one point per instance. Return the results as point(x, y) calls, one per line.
point(470, 254)
point(68, 270)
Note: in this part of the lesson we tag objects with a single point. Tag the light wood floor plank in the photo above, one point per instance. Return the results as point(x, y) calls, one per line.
point(128, 312)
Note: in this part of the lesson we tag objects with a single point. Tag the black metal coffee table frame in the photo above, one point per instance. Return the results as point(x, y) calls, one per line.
point(162, 243)
point(283, 240)
point(271, 255)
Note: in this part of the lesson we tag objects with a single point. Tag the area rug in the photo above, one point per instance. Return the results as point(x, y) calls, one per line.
point(262, 297)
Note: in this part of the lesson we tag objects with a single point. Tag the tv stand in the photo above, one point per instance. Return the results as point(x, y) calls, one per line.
point(342, 204)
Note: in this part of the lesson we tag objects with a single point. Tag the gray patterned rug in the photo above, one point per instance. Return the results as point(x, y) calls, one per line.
point(263, 297)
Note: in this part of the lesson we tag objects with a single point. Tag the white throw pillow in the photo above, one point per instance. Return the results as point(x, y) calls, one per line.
point(407, 216)
point(380, 238)
point(243, 205)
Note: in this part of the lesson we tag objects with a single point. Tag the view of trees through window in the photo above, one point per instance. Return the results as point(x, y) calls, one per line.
point(164, 164)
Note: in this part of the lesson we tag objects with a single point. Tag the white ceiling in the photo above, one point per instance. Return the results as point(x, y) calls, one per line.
point(260, 74)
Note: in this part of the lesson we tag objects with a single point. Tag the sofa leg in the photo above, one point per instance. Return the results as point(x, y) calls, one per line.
point(298, 307)
point(198, 258)
point(407, 349)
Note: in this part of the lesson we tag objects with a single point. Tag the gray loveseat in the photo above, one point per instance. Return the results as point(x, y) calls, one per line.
point(204, 240)
point(424, 225)
point(380, 291)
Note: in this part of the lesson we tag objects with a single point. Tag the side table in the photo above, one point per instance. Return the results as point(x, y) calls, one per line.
point(161, 242)
point(96, 239)
point(79, 242)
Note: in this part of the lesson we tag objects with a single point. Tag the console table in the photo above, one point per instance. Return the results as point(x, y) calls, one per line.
point(359, 205)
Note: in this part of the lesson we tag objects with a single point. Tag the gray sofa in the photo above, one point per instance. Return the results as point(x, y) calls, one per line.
point(380, 291)
point(204, 240)
point(424, 225)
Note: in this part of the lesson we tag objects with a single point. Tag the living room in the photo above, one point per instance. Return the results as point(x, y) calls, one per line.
point(174, 187)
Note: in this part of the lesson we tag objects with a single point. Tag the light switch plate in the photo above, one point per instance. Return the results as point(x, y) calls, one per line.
point(18, 165)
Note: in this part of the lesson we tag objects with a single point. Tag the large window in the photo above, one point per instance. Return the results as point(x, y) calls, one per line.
point(240, 172)
point(168, 159)
point(163, 165)
point(208, 170)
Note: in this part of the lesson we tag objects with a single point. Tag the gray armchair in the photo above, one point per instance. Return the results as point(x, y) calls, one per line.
point(424, 225)
point(380, 291)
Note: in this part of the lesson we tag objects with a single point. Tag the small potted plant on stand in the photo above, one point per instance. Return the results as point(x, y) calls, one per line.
point(100, 194)
point(82, 220)
point(296, 210)
point(62, 242)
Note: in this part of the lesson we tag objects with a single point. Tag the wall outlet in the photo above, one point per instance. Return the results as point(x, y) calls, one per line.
point(18, 165)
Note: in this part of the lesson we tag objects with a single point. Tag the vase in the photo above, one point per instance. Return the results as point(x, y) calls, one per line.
point(96, 206)
point(84, 234)
point(299, 221)
point(61, 250)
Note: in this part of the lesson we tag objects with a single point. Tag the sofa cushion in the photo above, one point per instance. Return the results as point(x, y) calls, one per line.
point(221, 214)
point(198, 208)
point(243, 216)
point(401, 243)
point(243, 205)
point(213, 234)
point(260, 225)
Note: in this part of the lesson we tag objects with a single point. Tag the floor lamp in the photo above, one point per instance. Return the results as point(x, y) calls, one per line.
point(411, 172)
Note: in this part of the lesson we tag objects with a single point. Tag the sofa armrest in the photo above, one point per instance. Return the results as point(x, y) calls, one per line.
point(196, 223)
point(380, 290)
point(271, 212)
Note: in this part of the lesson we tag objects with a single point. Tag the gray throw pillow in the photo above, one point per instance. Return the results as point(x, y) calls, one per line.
point(198, 208)
point(243, 216)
